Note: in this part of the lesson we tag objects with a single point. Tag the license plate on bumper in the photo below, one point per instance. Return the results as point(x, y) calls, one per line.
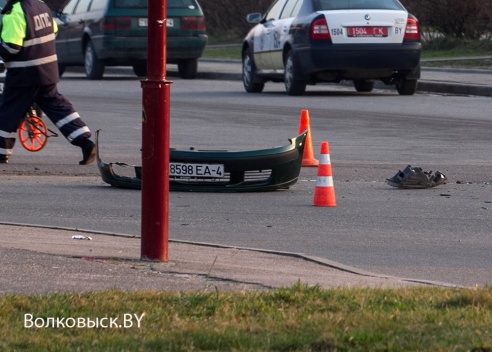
point(143, 22)
point(196, 170)
point(367, 31)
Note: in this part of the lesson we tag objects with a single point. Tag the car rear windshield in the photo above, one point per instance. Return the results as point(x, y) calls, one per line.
point(181, 3)
point(322, 5)
point(142, 4)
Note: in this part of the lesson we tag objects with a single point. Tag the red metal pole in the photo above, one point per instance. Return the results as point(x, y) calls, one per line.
point(155, 140)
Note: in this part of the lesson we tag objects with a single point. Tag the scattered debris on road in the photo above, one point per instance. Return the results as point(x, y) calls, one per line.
point(415, 177)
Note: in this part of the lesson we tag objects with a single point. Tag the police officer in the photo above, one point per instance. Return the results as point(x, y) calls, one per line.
point(29, 52)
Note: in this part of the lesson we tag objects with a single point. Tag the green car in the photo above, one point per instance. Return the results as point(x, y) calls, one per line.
point(100, 33)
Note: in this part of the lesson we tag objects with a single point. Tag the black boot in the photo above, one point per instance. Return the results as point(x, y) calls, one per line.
point(4, 159)
point(88, 152)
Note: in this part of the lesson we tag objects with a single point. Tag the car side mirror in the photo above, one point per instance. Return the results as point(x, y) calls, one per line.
point(254, 18)
point(63, 17)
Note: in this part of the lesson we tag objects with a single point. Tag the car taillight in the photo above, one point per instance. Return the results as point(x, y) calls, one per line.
point(412, 32)
point(115, 23)
point(190, 23)
point(319, 30)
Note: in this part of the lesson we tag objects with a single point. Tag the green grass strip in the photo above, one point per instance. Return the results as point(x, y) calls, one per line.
point(299, 318)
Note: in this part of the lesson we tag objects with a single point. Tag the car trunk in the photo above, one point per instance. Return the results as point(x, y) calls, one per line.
point(184, 18)
point(366, 26)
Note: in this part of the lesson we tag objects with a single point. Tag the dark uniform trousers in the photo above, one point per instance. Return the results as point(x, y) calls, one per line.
point(15, 103)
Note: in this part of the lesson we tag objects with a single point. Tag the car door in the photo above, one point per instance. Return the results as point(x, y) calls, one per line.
point(78, 22)
point(280, 31)
point(63, 22)
point(263, 36)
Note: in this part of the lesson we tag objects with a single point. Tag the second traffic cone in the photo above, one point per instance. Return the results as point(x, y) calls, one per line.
point(308, 155)
point(324, 194)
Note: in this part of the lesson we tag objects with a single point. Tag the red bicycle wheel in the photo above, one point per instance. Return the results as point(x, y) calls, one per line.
point(33, 134)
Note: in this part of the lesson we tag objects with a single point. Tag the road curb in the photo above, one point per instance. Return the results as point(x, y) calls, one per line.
point(424, 86)
point(454, 88)
point(305, 257)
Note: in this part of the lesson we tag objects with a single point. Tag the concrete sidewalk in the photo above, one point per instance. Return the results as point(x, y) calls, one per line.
point(42, 260)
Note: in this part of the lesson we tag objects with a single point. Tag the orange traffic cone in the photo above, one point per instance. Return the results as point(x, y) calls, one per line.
point(324, 194)
point(308, 156)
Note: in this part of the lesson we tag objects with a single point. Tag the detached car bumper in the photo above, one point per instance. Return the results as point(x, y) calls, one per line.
point(244, 171)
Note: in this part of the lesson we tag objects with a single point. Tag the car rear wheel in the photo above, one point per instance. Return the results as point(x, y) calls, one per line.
point(188, 68)
point(406, 86)
point(140, 70)
point(94, 68)
point(362, 85)
point(249, 74)
point(293, 85)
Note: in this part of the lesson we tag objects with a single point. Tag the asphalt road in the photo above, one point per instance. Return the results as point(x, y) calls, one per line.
point(441, 234)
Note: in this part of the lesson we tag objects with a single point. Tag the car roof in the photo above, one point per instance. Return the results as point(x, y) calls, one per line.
point(52, 4)
point(56, 5)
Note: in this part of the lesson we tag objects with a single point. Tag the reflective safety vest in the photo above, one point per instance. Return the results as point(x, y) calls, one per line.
point(28, 44)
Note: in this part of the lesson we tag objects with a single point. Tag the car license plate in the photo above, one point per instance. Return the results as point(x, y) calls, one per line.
point(196, 170)
point(143, 22)
point(367, 31)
